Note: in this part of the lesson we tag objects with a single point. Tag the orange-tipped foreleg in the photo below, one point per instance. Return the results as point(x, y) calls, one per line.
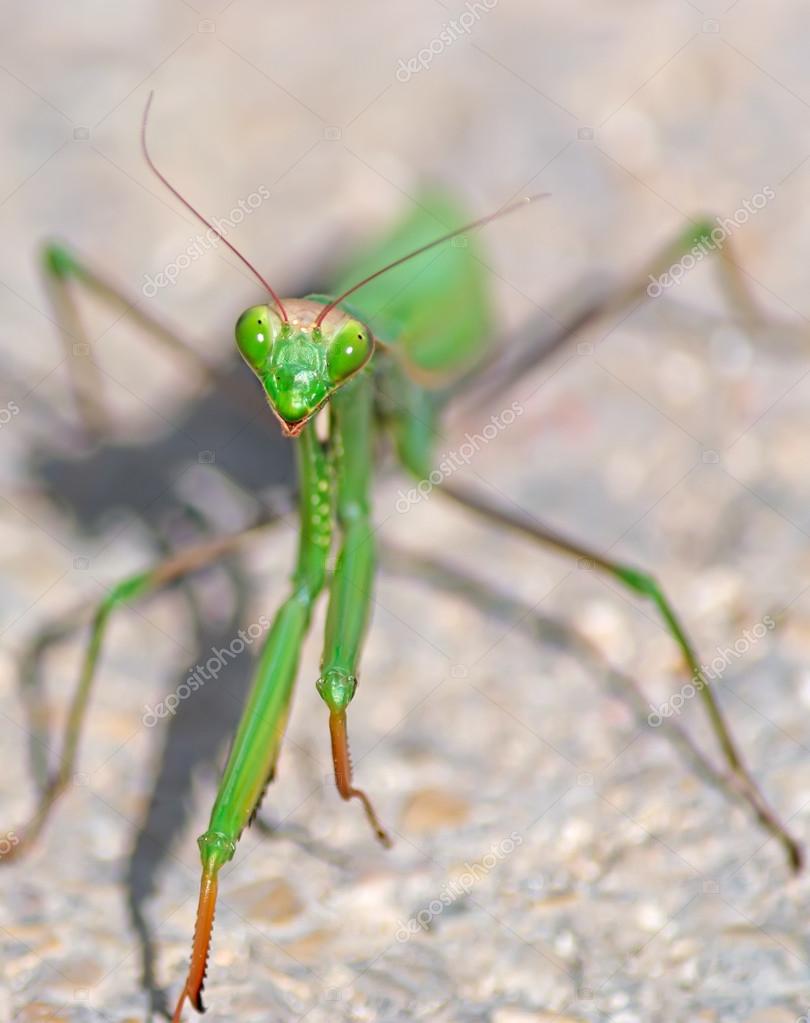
point(206, 906)
point(341, 758)
point(193, 987)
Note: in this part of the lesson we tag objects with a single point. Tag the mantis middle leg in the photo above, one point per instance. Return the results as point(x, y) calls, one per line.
point(133, 588)
point(643, 584)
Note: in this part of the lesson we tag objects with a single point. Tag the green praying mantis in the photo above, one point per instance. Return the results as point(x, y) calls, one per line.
point(334, 385)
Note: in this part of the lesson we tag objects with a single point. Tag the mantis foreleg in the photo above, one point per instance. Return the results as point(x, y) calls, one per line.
point(351, 589)
point(257, 743)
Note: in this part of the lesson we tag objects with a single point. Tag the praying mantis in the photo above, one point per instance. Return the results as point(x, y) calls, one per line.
point(403, 330)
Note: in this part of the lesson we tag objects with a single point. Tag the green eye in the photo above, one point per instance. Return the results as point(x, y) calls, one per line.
point(255, 330)
point(347, 351)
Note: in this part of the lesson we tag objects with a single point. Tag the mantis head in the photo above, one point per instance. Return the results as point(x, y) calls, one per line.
point(300, 361)
point(302, 350)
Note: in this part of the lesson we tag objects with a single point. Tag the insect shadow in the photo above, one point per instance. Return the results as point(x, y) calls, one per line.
point(239, 441)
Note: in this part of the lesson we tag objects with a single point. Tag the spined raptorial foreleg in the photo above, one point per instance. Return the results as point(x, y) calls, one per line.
point(353, 580)
point(256, 746)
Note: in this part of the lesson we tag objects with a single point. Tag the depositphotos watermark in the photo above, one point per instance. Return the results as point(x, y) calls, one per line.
point(203, 243)
point(710, 672)
point(458, 887)
point(454, 460)
point(711, 242)
point(200, 675)
point(451, 31)
point(8, 842)
point(8, 412)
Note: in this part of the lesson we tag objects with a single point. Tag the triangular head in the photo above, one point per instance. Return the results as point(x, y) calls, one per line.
point(299, 361)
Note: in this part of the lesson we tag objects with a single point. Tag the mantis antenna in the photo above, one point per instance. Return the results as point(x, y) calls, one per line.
point(430, 245)
point(164, 180)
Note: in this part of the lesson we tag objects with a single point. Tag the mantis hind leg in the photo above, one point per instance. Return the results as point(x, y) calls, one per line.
point(65, 273)
point(412, 411)
point(520, 354)
point(739, 779)
point(135, 587)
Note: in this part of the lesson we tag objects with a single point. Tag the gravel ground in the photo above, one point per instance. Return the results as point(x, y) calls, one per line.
point(555, 859)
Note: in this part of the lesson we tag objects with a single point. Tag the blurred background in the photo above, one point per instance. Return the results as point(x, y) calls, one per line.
point(555, 857)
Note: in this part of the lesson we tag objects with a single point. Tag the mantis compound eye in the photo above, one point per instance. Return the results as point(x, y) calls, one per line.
point(348, 351)
point(256, 330)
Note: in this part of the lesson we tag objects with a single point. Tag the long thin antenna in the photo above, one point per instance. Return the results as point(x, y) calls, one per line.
point(425, 248)
point(162, 177)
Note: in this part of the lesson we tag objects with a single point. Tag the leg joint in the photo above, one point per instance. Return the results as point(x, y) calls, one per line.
point(58, 261)
point(641, 582)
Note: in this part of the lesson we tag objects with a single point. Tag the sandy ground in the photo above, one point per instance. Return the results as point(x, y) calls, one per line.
point(555, 859)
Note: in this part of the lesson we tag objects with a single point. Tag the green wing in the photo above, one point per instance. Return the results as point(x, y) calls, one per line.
point(435, 307)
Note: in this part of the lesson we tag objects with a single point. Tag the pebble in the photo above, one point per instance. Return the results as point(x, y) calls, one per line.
point(40, 1012)
point(309, 948)
point(271, 900)
point(774, 1015)
point(650, 917)
point(431, 809)
point(509, 1015)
